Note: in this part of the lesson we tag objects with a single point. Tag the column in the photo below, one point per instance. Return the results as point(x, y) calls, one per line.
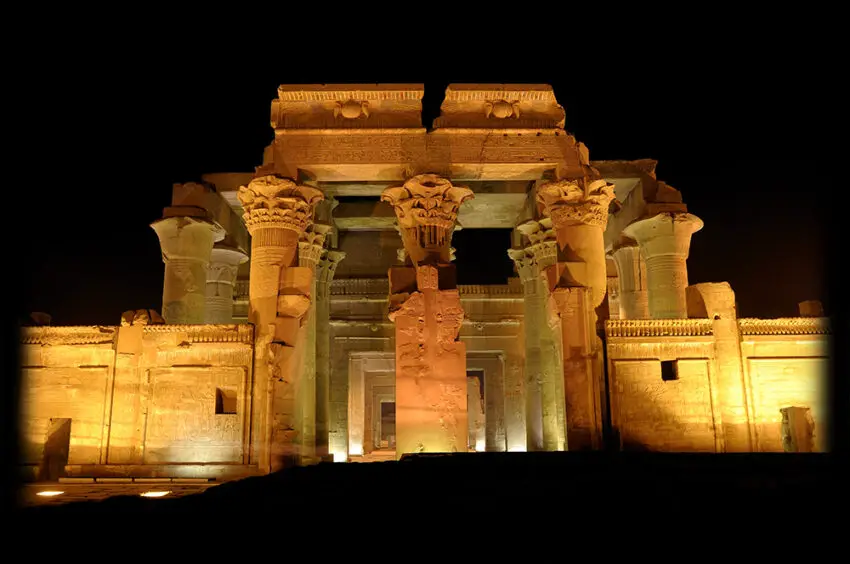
point(533, 319)
point(277, 212)
point(665, 241)
point(431, 406)
point(221, 278)
point(327, 267)
point(578, 209)
point(546, 426)
point(186, 238)
point(631, 274)
point(310, 249)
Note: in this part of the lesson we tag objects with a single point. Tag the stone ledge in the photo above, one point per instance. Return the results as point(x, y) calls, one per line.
point(177, 472)
point(658, 327)
point(235, 333)
point(68, 335)
point(785, 326)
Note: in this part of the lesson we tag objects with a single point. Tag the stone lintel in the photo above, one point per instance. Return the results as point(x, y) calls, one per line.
point(347, 106)
point(496, 106)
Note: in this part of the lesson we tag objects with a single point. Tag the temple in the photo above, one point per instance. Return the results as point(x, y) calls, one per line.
point(311, 311)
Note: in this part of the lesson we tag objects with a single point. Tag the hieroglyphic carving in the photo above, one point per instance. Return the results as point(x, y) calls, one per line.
point(272, 200)
point(449, 318)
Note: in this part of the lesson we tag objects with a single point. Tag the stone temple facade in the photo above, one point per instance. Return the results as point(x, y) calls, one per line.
point(311, 311)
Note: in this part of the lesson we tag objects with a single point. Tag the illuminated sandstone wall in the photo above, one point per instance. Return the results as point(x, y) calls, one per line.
point(679, 408)
point(786, 363)
point(67, 372)
point(648, 412)
point(138, 397)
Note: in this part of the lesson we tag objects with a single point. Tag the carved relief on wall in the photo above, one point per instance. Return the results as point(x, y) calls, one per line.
point(653, 414)
point(351, 109)
point(182, 423)
point(502, 109)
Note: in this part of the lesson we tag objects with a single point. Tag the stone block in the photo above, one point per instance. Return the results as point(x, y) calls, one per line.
point(296, 280)
point(402, 279)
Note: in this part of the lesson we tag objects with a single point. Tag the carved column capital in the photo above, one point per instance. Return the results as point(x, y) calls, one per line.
point(426, 207)
point(525, 264)
point(311, 245)
point(665, 233)
point(275, 202)
point(327, 265)
point(569, 202)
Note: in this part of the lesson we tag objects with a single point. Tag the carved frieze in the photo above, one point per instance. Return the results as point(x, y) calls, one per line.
point(82, 335)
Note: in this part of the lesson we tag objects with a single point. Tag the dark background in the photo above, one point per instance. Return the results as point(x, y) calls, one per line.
point(736, 120)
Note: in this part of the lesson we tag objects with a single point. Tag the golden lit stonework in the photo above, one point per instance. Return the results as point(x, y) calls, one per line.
point(321, 319)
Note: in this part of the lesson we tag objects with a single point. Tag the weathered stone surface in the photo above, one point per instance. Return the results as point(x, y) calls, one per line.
point(665, 241)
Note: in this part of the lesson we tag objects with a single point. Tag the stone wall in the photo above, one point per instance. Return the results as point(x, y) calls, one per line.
point(785, 364)
point(664, 391)
point(140, 399)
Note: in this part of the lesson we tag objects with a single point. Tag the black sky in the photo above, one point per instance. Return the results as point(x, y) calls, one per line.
point(735, 120)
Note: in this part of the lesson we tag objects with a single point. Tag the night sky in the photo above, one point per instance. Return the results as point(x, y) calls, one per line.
point(737, 131)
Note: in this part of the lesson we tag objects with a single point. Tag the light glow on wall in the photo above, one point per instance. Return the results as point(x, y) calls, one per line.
point(155, 494)
point(340, 457)
point(356, 449)
point(49, 493)
point(479, 445)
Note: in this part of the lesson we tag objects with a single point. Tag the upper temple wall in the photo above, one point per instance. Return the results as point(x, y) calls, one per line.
point(374, 133)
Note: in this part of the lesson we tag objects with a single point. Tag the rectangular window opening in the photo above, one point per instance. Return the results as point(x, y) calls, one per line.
point(225, 401)
point(669, 370)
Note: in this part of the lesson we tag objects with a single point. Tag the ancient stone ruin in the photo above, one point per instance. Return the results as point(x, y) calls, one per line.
point(311, 310)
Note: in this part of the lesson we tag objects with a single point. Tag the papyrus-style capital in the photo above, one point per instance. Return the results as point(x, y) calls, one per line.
point(311, 245)
point(275, 202)
point(664, 234)
point(569, 202)
point(426, 207)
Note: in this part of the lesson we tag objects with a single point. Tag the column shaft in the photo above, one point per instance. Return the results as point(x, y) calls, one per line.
point(221, 278)
point(278, 211)
point(665, 241)
point(186, 244)
point(631, 275)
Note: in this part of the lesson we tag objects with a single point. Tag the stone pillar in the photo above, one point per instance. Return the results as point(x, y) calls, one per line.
point(327, 268)
point(221, 278)
point(277, 212)
point(310, 250)
point(186, 238)
point(545, 416)
point(665, 241)
point(578, 209)
point(431, 408)
point(633, 297)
